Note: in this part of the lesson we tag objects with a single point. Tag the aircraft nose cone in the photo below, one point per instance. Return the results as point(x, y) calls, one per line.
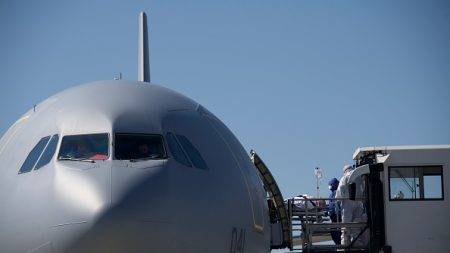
point(137, 215)
point(131, 180)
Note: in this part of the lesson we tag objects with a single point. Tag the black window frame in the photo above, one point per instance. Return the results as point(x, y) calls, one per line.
point(441, 174)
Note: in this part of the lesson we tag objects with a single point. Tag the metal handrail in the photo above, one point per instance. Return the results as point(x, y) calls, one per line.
point(312, 222)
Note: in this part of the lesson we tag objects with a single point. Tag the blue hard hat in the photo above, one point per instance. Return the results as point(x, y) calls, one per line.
point(334, 182)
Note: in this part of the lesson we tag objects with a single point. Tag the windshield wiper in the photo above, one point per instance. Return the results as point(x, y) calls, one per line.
point(140, 159)
point(151, 157)
point(76, 159)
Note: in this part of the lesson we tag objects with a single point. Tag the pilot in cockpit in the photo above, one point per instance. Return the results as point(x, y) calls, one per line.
point(80, 148)
point(84, 150)
point(144, 150)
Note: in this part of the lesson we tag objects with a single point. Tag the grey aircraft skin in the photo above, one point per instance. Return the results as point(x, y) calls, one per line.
point(199, 193)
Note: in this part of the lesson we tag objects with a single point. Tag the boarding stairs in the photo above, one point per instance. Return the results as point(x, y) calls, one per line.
point(302, 229)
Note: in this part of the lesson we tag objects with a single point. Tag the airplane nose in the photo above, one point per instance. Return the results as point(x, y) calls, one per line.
point(130, 180)
point(137, 214)
point(81, 190)
point(81, 194)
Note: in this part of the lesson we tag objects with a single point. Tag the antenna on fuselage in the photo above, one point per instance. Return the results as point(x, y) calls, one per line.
point(144, 61)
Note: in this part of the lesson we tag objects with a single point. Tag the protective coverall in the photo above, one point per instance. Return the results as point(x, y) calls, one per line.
point(352, 211)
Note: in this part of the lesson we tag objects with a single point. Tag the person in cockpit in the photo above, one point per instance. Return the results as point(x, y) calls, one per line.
point(84, 150)
point(80, 148)
point(143, 150)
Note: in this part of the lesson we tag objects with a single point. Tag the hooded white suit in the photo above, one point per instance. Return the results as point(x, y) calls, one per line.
point(352, 211)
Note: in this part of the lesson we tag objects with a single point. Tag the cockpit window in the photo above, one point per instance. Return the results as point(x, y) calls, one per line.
point(176, 150)
point(139, 147)
point(192, 152)
point(49, 152)
point(34, 155)
point(84, 147)
point(40, 155)
point(181, 148)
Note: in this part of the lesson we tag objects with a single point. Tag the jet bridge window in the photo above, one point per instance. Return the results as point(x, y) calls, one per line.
point(84, 147)
point(416, 183)
point(139, 147)
point(41, 154)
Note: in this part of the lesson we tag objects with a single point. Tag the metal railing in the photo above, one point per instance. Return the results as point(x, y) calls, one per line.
point(311, 226)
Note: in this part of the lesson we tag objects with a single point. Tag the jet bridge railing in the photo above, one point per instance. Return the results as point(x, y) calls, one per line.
point(311, 226)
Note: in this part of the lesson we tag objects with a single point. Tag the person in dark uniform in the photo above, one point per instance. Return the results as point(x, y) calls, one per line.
point(333, 185)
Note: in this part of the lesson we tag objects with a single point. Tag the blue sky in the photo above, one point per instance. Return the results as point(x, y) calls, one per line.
point(304, 83)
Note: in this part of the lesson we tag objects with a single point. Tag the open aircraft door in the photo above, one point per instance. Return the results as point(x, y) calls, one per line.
point(280, 224)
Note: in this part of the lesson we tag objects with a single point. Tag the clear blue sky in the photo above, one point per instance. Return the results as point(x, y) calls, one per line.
point(304, 83)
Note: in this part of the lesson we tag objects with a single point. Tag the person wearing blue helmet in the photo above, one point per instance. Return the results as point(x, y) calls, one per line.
point(333, 185)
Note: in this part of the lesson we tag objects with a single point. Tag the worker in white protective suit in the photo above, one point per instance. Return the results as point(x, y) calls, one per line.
point(352, 211)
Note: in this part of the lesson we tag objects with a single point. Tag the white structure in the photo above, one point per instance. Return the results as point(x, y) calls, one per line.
point(407, 203)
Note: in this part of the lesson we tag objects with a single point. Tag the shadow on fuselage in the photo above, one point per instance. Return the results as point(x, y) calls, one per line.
point(139, 216)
